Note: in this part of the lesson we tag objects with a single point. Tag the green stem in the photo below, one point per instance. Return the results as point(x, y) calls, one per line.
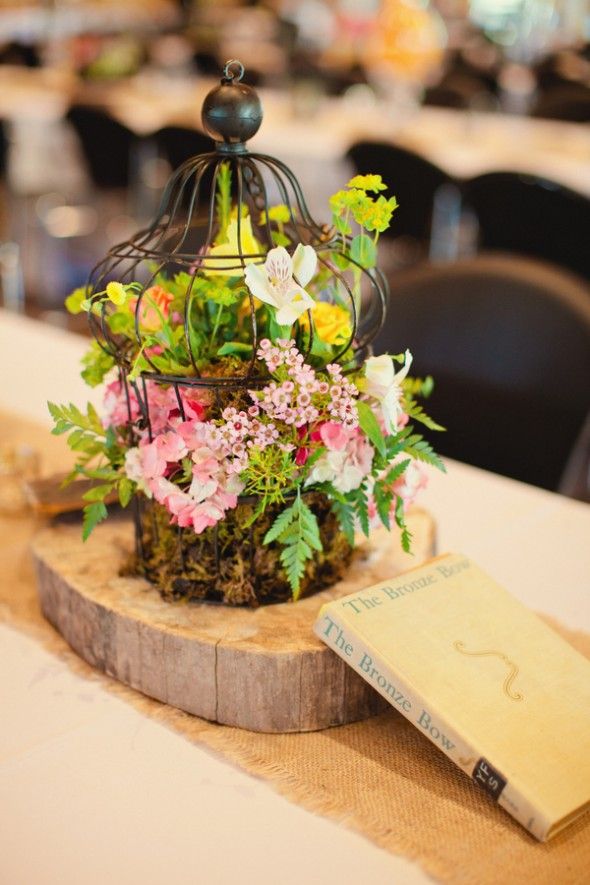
point(347, 224)
point(215, 325)
point(134, 370)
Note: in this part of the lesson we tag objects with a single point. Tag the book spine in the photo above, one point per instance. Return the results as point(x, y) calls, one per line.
point(374, 669)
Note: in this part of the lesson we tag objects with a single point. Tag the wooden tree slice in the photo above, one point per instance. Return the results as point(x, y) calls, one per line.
point(261, 669)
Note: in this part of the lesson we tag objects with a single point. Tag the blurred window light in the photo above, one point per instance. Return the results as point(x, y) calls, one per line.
point(532, 26)
point(64, 222)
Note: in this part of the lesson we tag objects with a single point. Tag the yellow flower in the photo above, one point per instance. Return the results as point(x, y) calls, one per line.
point(281, 214)
point(116, 293)
point(367, 183)
point(331, 323)
point(248, 245)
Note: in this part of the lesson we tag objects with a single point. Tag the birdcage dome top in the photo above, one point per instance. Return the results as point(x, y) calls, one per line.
point(225, 216)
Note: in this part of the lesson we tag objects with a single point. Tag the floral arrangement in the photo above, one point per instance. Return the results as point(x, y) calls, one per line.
point(315, 424)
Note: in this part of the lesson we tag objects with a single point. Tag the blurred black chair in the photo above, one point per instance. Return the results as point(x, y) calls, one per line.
point(207, 63)
point(462, 87)
point(531, 216)
point(107, 146)
point(508, 343)
point(16, 53)
point(413, 179)
point(569, 102)
point(444, 96)
point(565, 67)
point(177, 144)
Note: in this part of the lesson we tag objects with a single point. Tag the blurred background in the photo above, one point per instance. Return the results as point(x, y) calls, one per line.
point(475, 114)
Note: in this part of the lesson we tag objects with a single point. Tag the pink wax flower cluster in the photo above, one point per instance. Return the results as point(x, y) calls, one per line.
point(300, 397)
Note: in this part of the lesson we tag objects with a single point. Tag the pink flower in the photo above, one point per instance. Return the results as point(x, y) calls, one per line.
point(301, 455)
point(193, 407)
point(116, 411)
point(171, 446)
point(410, 483)
point(345, 468)
point(153, 464)
point(334, 436)
point(206, 515)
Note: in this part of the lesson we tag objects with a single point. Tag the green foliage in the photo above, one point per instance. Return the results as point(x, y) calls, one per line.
point(383, 490)
point(279, 215)
point(235, 347)
point(125, 489)
point(359, 499)
point(394, 473)
point(270, 475)
point(296, 528)
point(75, 300)
point(362, 249)
point(92, 515)
point(96, 364)
point(371, 214)
point(275, 330)
point(280, 239)
point(406, 537)
point(68, 417)
point(421, 450)
point(415, 445)
point(218, 290)
point(416, 386)
point(416, 412)
point(344, 512)
point(383, 496)
point(98, 493)
point(91, 441)
point(377, 217)
point(370, 426)
point(178, 286)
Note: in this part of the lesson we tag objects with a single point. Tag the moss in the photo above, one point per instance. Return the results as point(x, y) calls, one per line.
point(236, 394)
point(244, 571)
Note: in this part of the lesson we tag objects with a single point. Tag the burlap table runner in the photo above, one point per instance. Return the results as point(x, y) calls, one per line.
point(380, 776)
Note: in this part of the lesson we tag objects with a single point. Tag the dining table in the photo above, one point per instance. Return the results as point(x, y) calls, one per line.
point(94, 790)
point(309, 131)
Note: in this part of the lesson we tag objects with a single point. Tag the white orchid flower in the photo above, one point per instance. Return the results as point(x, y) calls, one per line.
point(386, 385)
point(280, 282)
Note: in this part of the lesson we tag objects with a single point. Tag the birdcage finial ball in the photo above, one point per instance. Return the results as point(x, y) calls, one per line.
point(232, 112)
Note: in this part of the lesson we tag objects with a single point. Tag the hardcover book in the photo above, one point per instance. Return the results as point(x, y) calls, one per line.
point(498, 691)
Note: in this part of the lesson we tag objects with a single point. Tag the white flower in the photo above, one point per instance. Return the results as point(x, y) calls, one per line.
point(386, 385)
point(134, 470)
point(280, 282)
point(345, 469)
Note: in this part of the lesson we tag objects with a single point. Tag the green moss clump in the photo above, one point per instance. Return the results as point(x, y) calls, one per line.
point(243, 570)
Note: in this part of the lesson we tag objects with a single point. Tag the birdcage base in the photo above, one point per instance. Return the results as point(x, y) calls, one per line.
point(261, 669)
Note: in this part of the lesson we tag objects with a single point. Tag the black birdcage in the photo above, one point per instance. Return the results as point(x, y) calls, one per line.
point(180, 239)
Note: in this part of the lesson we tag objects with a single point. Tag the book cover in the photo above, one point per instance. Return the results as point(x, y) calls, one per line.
point(488, 682)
